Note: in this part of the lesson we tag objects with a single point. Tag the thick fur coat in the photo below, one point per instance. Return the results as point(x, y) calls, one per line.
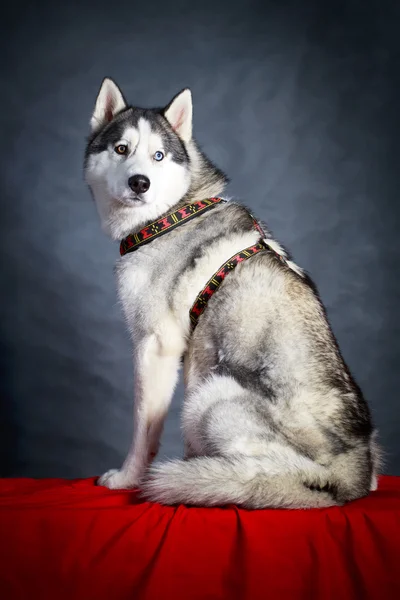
point(272, 416)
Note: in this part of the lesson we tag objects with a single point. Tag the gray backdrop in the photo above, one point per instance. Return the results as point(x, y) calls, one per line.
point(297, 101)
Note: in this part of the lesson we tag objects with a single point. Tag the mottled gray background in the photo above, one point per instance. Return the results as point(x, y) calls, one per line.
point(297, 101)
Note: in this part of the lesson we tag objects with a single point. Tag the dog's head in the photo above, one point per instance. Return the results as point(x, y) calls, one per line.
point(137, 160)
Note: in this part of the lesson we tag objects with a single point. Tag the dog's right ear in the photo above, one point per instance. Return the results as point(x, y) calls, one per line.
point(110, 101)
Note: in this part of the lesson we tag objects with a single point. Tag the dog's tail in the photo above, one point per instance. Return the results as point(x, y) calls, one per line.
point(249, 481)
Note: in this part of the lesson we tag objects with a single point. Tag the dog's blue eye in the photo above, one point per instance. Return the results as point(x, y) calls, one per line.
point(158, 155)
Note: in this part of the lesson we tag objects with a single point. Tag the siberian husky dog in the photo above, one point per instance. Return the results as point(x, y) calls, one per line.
point(272, 416)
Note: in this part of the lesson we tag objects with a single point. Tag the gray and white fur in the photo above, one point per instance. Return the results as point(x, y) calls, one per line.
point(272, 416)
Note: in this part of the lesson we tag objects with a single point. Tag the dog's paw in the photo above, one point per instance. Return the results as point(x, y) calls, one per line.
point(115, 479)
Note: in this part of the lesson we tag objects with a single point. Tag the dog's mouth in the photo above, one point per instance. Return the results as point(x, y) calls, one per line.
point(130, 199)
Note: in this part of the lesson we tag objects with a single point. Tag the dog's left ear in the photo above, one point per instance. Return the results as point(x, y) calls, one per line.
point(179, 114)
point(110, 101)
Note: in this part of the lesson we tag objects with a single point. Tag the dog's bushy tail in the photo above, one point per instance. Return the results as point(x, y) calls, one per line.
point(243, 480)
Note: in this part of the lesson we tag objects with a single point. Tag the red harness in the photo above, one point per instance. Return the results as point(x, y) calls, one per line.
point(136, 240)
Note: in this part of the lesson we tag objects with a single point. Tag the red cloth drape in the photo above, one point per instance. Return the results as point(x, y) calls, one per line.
point(71, 539)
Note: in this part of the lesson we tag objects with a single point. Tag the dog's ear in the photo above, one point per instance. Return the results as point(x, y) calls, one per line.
point(179, 114)
point(110, 101)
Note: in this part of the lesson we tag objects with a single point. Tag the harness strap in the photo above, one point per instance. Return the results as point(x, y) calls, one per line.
point(213, 284)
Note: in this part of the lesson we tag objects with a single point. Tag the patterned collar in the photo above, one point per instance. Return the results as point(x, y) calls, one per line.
point(136, 240)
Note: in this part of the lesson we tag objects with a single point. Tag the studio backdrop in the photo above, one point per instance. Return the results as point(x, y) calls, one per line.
point(298, 102)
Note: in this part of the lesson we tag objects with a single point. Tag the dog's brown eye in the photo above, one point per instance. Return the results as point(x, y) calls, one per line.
point(121, 149)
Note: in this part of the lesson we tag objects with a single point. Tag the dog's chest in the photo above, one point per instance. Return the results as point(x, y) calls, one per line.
point(142, 285)
point(146, 297)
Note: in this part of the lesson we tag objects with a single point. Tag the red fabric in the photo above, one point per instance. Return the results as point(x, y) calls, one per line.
point(70, 539)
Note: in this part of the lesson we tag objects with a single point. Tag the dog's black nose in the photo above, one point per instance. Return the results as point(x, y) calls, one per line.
point(139, 183)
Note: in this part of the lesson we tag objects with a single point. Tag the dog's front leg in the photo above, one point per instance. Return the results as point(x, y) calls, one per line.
point(156, 374)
